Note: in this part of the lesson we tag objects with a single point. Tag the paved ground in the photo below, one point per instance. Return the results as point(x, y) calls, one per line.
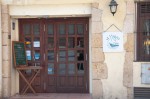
point(141, 98)
point(52, 96)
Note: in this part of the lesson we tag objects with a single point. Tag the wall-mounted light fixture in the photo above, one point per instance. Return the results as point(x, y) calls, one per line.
point(113, 6)
point(13, 25)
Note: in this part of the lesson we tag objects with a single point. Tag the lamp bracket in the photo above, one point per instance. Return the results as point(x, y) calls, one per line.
point(111, 26)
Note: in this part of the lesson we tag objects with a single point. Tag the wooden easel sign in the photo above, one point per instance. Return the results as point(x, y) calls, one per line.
point(18, 50)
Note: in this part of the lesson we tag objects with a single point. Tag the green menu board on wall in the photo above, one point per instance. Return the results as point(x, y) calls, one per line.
point(19, 53)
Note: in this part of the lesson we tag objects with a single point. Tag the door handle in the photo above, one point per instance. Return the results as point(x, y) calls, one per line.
point(44, 56)
point(57, 57)
point(44, 86)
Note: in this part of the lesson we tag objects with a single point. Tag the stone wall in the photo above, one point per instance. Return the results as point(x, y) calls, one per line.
point(103, 84)
point(6, 51)
point(99, 68)
point(129, 47)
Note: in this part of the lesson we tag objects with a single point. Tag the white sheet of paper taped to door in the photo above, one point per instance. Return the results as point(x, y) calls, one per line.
point(28, 54)
point(36, 44)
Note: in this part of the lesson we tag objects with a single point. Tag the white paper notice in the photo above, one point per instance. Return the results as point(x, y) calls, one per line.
point(28, 54)
point(36, 44)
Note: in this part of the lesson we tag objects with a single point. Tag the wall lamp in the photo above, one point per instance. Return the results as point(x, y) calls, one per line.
point(113, 6)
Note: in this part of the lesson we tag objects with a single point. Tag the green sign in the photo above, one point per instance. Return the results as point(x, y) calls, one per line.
point(19, 53)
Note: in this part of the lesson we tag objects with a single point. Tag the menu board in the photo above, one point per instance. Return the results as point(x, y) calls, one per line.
point(19, 53)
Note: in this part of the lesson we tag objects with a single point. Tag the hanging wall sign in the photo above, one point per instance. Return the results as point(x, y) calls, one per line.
point(112, 42)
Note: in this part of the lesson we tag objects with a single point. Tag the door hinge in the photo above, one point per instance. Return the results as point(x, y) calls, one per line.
point(86, 86)
point(44, 56)
point(44, 27)
point(86, 56)
point(44, 86)
point(57, 57)
point(86, 27)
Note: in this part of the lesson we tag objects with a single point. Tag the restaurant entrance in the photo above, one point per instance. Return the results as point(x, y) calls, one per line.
point(60, 46)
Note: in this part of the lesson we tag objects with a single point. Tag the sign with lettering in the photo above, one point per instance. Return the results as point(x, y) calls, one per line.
point(112, 42)
point(19, 53)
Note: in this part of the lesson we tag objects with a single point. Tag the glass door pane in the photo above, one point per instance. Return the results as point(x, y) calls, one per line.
point(50, 29)
point(62, 69)
point(71, 42)
point(27, 29)
point(71, 69)
point(62, 42)
point(62, 56)
point(50, 68)
point(61, 29)
point(71, 55)
point(36, 29)
point(50, 56)
point(71, 29)
point(80, 29)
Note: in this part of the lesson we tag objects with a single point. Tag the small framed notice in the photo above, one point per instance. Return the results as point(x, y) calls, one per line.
point(36, 43)
point(112, 42)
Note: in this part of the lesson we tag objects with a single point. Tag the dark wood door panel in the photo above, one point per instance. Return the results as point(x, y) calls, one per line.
point(62, 52)
point(71, 81)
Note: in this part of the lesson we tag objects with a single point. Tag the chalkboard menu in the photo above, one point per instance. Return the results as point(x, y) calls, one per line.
point(19, 53)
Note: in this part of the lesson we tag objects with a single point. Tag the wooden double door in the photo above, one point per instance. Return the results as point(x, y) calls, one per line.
point(60, 46)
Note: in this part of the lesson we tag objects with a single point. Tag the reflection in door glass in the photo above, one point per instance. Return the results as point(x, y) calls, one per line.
point(80, 29)
point(27, 29)
point(80, 55)
point(71, 42)
point(80, 42)
point(50, 68)
point(50, 56)
point(50, 29)
point(62, 42)
point(80, 68)
point(71, 69)
point(71, 55)
point(62, 69)
point(50, 42)
point(61, 29)
point(28, 42)
point(62, 55)
point(71, 29)
point(36, 29)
